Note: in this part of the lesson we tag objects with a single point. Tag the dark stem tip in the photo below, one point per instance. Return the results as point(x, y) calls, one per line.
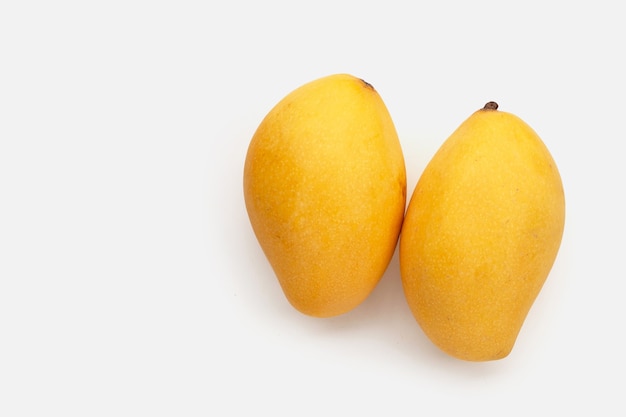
point(492, 105)
point(367, 85)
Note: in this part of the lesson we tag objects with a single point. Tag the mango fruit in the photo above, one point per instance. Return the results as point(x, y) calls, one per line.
point(325, 190)
point(480, 236)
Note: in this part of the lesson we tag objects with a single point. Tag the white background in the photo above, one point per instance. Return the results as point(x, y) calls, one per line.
point(131, 283)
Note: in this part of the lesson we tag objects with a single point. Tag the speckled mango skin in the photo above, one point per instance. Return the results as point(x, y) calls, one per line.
point(325, 191)
point(481, 234)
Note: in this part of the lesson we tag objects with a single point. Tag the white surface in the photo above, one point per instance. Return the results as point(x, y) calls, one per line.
point(131, 283)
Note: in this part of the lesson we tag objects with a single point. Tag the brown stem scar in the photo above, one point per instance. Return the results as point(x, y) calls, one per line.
point(367, 85)
point(492, 105)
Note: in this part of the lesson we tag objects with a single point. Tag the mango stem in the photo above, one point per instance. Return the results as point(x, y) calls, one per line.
point(492, 105)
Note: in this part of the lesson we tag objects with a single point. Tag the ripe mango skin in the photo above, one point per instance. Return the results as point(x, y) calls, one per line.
point(481, 234)
point(325, 191)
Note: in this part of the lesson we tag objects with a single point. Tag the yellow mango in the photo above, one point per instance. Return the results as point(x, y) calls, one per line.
point(325, 190)
point(481, 234)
